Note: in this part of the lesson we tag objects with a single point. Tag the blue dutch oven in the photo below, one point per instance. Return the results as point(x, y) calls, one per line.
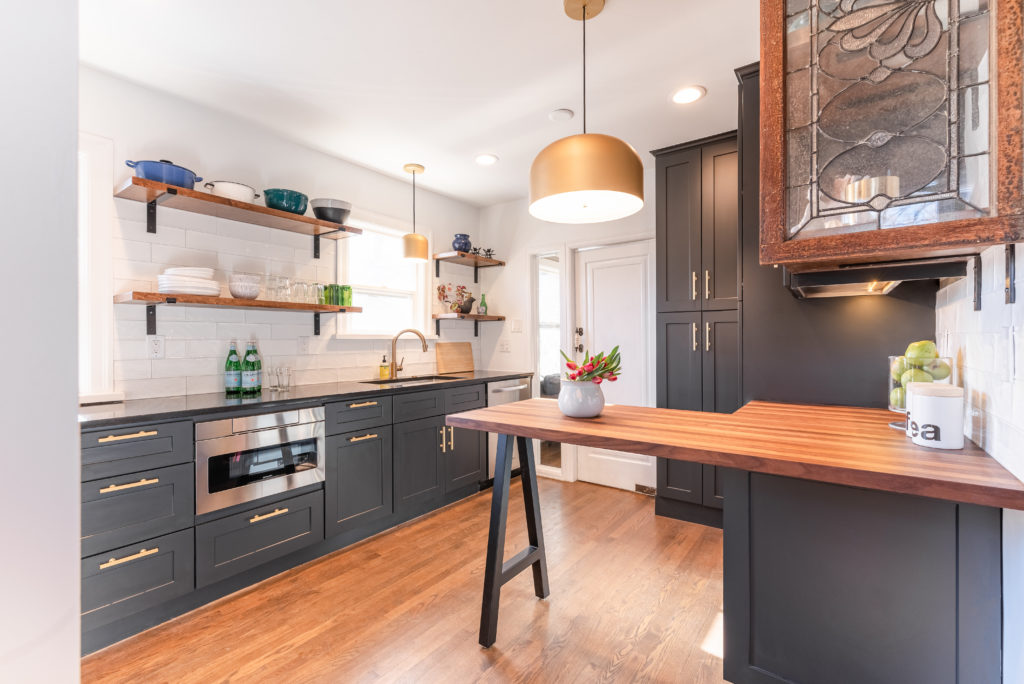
point(164, 171)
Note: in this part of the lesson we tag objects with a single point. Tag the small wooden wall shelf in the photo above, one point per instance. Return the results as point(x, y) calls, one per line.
point(476, 318)
point(197, 202)
point(465, 259)
point(152, 299)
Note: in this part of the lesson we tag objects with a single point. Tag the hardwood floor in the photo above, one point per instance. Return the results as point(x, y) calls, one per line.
point(633, 598)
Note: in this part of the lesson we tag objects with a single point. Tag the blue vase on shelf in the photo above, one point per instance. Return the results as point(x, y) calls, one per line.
point(461, 243)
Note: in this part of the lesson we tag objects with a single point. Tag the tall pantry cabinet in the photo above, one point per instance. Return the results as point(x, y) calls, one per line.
point(699, 296)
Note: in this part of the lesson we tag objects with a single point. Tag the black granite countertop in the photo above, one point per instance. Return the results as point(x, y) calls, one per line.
point(126, 413)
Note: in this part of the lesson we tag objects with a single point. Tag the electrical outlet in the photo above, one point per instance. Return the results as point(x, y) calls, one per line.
point(517, 325)
point(504, 346)
point(155, 346)
point(304, 344)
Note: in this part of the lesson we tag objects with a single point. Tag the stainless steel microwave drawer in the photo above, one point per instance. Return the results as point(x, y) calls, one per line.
point(133, 578)
point(238, 542)
point(130, 508)
point(119, 451)
point(357, 414)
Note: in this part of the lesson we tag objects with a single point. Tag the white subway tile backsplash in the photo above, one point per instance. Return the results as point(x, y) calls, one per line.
point(132, 370)
point(151, 388)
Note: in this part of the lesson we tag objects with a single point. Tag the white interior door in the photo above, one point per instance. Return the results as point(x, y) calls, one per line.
point(615, 306)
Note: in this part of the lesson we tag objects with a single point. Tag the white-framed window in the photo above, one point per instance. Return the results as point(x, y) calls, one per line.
point(95, 285)
point(393, 292)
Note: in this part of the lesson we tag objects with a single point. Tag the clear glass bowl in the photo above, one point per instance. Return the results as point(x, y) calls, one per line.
point(904, 370)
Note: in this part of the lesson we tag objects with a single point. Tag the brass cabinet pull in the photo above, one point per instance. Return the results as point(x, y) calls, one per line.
point(694, 337)
point(707, 284)
point(361, 405)
point(443, 449)
point(364, 437)
point(141, 554)
point(693, 288)
point(707, 336)
point(451, 438)
point(275, 512)
point(141, 483)
point(118, 438)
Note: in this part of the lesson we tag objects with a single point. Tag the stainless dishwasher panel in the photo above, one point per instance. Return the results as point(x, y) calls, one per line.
point(504, 392)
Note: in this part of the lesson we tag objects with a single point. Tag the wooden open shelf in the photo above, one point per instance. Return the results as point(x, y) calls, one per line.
point(476, 318)
point(153, 193)
point(152, 299)
point(464, 259)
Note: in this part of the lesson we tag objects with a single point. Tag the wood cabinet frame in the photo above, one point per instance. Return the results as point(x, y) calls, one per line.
point(965, 236)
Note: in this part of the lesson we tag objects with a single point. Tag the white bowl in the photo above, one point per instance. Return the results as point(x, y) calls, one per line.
point(244, 290)
point(247, 278)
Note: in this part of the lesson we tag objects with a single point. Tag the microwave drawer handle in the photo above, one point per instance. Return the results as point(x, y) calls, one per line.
point(141, 554)
point(130, 485)
point(134, 435)
point(503, 390)
point(363, 404)
point(364, 437)
point(275, 512)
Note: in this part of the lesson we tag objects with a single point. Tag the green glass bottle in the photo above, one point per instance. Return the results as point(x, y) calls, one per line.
point(259, 369)
point(249, 373)
point(481, 308)
point(232, 372)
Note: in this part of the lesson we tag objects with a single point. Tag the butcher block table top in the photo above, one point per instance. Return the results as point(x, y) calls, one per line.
point(840, 445)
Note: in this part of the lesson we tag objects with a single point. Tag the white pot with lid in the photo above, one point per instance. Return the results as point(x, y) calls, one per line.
point(240, 192)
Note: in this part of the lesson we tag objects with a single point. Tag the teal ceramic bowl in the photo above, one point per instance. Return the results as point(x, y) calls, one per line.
point(285, 200)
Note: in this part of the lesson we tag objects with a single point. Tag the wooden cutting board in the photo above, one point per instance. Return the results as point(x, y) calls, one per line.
point(453, 357)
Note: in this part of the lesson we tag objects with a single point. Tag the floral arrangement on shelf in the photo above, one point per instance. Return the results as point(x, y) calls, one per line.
point(455, 296)
point(595, 369)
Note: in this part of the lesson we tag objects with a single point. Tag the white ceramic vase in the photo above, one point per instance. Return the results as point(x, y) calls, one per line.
point(580, 399)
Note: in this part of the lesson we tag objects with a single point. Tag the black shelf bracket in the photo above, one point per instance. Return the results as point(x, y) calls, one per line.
point(151, 319)
point(476, 328)
point(316, 323)
point(437, 327)
point(316, 240)
point(476, 272)
point(977, 282)
point(437, 268)
point(1010, 283)
point(151, 208)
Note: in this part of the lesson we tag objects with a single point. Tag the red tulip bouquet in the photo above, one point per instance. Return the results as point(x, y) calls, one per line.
point(595, 369)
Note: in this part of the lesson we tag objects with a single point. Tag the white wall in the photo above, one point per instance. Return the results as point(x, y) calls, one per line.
point(39, 509)
point(146, 124)
point(988, 346)
point(515, 236)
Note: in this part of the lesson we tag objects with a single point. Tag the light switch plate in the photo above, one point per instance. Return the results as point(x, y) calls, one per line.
point(155, 346)
point(505, 347)
point(304, 344)
point(517, 325)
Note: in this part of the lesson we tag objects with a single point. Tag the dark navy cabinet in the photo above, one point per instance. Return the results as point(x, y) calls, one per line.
point(359, 473)
point(420, 447)
point(465, 459)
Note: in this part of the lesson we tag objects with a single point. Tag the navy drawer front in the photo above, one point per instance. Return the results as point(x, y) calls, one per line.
point(464, 398)
point(136, 577)
point(418, 405)
point(109, 453)
point(238, 542)
point(131, 508)
point(357, 414)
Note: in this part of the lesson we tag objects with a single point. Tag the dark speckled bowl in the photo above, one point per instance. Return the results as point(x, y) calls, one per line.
point(285, 200)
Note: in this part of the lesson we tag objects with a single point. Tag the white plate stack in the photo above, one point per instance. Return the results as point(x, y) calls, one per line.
point(193, 281)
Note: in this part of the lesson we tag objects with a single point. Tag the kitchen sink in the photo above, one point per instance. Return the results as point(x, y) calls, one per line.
point(409, 380)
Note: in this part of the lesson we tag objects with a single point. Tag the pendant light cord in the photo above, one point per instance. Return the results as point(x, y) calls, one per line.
point(414, 202)
point(584, 69)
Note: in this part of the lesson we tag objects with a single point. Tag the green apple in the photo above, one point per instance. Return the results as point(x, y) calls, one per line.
point(914, 375)
point(898, 398)
point(917, 352)
point(938, 369)
point(898, 367)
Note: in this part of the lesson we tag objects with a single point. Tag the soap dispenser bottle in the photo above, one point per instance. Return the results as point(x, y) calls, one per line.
point(385, 369)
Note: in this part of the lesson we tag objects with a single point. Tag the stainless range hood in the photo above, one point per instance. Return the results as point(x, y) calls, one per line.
point(872, 279)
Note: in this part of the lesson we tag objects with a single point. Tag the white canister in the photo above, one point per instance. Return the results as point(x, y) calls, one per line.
point(935, 415)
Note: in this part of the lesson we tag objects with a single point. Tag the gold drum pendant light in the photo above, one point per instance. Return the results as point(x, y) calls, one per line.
point(586, 178)
point(414, 244)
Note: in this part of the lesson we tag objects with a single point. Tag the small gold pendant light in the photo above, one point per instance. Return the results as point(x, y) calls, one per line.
point(586, 178)
point(414, 244)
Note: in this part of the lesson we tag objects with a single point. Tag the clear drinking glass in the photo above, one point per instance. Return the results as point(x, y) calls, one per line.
point(284, 377)
point(319, 294)
point(271, 378)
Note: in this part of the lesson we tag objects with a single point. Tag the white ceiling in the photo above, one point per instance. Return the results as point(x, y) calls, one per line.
point(435, 81)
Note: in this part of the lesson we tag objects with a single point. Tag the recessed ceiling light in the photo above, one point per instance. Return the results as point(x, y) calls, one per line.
point(689, 94)
point(487, 159)
point(561, 115)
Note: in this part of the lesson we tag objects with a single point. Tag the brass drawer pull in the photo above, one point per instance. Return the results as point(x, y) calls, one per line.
point(694, 337)
point(693, 289)
point(707, 336)
point(364, 437)
point(131, 485)
point(134, 435)
point(141, 554)
point(707, 284)
point(444, 449)
point(451, 438)
point(275, 512)
point(363, 404)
